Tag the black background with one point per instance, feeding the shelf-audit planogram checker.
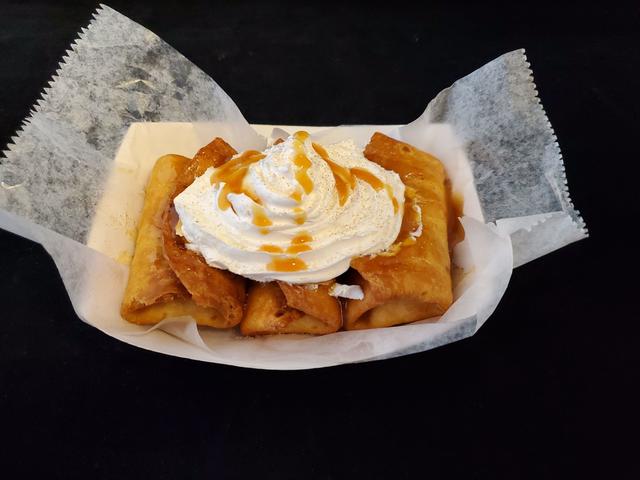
(543, 390)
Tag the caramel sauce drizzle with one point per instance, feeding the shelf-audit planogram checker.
(270, 248)
(303, 163)
(298, 248)
(286, 264)
(455, 203)
(299, 243)
(345, 181)
(249, 193)
(232, 174)
(411, 221)
(376, 184)
(302, 237)
(393, 199)
(368, 177)
(300, 217)
(260, 218)
(297, 196)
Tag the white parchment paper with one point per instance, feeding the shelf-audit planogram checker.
(73, 180)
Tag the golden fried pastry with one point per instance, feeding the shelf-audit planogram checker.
(314, 300)
(214, 154)
(154, 291)
(286, 308)
(208, 286)
(412, 281)
(409, 281)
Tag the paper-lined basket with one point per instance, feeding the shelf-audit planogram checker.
(122, 97)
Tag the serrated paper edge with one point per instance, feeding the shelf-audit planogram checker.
(44, 93)
(580, 223)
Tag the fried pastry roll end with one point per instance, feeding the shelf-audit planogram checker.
(275, 307)
(154, 291)
(412, 281)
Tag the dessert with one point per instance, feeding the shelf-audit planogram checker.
(166, 279)
(154, 291)
(315, 233)
(278, 307)
(412, 280)
(298, 213)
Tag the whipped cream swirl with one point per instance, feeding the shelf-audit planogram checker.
(297, 212)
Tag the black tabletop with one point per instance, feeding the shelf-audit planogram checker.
(541, 391)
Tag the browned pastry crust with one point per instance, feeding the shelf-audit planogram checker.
(153, 290)
(315, 301)
(414, 282)
(209, 287)
(268, 310)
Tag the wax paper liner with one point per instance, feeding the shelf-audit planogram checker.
(57, 170)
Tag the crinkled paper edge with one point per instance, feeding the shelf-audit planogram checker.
(573, 212)
(42, 97)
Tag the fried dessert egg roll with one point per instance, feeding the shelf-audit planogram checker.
(279, 307)
(412, 279)
(165, 279)
(208, 286)
(153, 291)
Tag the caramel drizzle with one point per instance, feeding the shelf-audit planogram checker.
(412, 219)
(260, 218)
(232, 174)
(300, 217)
(302, 237)
(301, 161)
(394, 200)
(368, 177)
(297, 196)
(270, 248)
(345, 179)
(376, 184)
(286, 264)
(299, 244)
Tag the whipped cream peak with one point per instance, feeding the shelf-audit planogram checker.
(297, 212)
